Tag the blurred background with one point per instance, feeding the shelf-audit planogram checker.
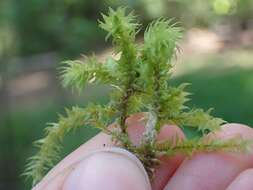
(216, 57)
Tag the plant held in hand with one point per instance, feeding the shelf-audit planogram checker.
(139, 82)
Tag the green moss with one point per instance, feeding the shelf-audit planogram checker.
(139, 81)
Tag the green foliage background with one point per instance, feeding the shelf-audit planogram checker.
(69, 27)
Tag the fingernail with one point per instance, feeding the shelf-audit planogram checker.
(108, 168)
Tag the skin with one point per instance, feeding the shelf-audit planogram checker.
(112, 169)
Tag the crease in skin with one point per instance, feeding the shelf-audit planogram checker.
(199, 184)
(113, 150)
(242, 181)
(198, 177)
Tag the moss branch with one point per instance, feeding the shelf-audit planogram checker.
(191, 146)
(51, 145)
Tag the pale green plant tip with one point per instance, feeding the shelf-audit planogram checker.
(77, 74)
(118, 24)
(202, 120)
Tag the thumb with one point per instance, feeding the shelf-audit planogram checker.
(108, 168)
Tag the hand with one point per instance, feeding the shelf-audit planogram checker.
(98, 165)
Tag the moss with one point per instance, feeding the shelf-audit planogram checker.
(140, 80)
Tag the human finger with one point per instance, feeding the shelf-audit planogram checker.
(213, 171)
